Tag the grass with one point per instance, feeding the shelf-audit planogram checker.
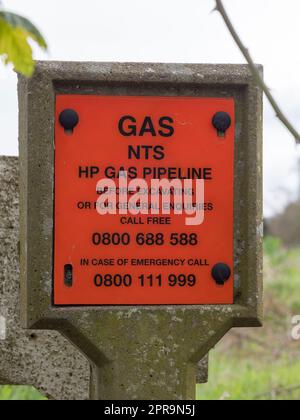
(282, 274)
(17, 393)
(262, 364)
(249, 364)
(233, 378)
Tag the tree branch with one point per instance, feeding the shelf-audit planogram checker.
(255, 72)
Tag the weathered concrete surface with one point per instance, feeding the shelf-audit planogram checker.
(38, 358)
(42, 359)
(124, 342)
(202, 370)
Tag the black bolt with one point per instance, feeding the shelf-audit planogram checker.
(221, 121)
(69, 119)
(221, 273)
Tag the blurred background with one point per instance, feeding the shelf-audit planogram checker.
(262, 364)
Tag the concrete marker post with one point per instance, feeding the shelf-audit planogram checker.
(138, 352)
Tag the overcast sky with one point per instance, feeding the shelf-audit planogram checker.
(176, 31)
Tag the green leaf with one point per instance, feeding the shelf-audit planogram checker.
(20, 22)
(15, 49)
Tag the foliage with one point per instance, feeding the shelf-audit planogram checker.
(235, 379)
(287, 225)
(282, 275)
(15, 35)
(17, 393)
(262, 364)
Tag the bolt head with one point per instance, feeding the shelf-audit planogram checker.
(222, 122)
(68, 119)
(221, 273)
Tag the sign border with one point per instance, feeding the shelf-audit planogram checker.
(209, 292)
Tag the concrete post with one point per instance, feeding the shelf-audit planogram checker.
(138, 352)
(43, 359)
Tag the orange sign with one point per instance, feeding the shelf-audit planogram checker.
(144, 200)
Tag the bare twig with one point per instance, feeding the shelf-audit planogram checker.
(251, 338)
(278, 391)
(255, 72)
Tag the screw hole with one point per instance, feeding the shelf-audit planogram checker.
(68, 275)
